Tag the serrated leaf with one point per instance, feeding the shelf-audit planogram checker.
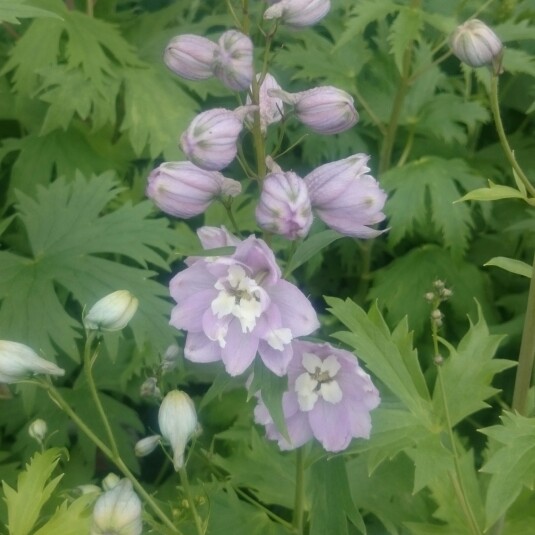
(513, 266)
(310, 247)
(70, 518)
(468, 371)
(404, 30)
(422, 194)
(33, 491)
(68, 236)
(400, 287)
(331, 501)
(13, 10)
(512, 463)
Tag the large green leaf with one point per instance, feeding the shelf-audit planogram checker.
(13, 10)
(76, 247)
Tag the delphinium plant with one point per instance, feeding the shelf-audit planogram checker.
(298, 359)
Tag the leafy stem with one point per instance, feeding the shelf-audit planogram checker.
(189, 496)
(299, 499)
(527, 354)
(495, 107)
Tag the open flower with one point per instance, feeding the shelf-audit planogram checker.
(346, 198)
(18, 362)
(329, 397)
(233, 306)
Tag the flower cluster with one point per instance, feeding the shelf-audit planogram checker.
(238, 306)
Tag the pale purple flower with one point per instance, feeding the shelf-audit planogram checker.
(190, 56)
(298, 13)
(346, 198)
(270, 108)
(235, 306)
(184, 190)
(329, 397)
(233, 60)
(284, 205)
(210, 141)
(325, 110)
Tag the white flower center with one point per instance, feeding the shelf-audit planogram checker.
(240, 296)
(318, 381)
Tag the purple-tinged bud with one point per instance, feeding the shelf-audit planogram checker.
(298, 13)
(271, 108)
(233, 60)
(325, 110)
(184, 190)
(346, 198)
(284, 206)
(190, 56)
(475, 44)
(211, 139)
(18, 362)
(214, 237)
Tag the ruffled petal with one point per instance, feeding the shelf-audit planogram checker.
(188, 313)
(199, 348)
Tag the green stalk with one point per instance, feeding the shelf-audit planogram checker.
(495, 107)
(189, 496)
(58, 399)
(299, 499)
(526, 357)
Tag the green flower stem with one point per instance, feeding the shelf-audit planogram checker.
(189, 496)
(89, 359)
(526, 357)
(299, 500)
(58, 399)
(232, 219)
(456, 478)
(495, 107)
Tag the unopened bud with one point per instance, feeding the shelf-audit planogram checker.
(233, 60)
(270, 108)
(429, 296)
(18, 362)
(446, 293)
(147, 445)
(177, 419)
(38, 430)
(284, 206)
(149, 388)
(184, 190)
(438, 360)
(170, 358)
(110, 481)
(475, 44)
(190, 56)
(117, 511)
(438, 284)
(112, 312)
(298, 13)
(436, 314)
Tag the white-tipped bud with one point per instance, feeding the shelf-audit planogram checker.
(18, 362)
(112, 312)
(38, 430)
(146, 445)
(178, 420)
(475, 44)
(110, 481)
(117, 512)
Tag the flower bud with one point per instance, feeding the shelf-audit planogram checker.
(284, 206)
(112, 312)
(233, 60)
(38, 430)
(214, 237)
(190, 56)
(298, 13)
(210, 141)
(117, 511)
(184, 190)
(170, 358)
(325, 110)
(17, 362)
(88, 489)
(146, 445)
(345, 197)
(475, 44)
(177, 420)
(270, 108)
(149, 388)
(110, 481)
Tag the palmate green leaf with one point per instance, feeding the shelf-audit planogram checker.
(405, 29)
(33, 491)
(400, 286)
(156, 110)
(468, 371)
(13, 10)
(68, 236)
(422, 194)
(70, 518)
(331, 503)
(512, 463)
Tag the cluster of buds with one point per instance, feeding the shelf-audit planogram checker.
(439, 294)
